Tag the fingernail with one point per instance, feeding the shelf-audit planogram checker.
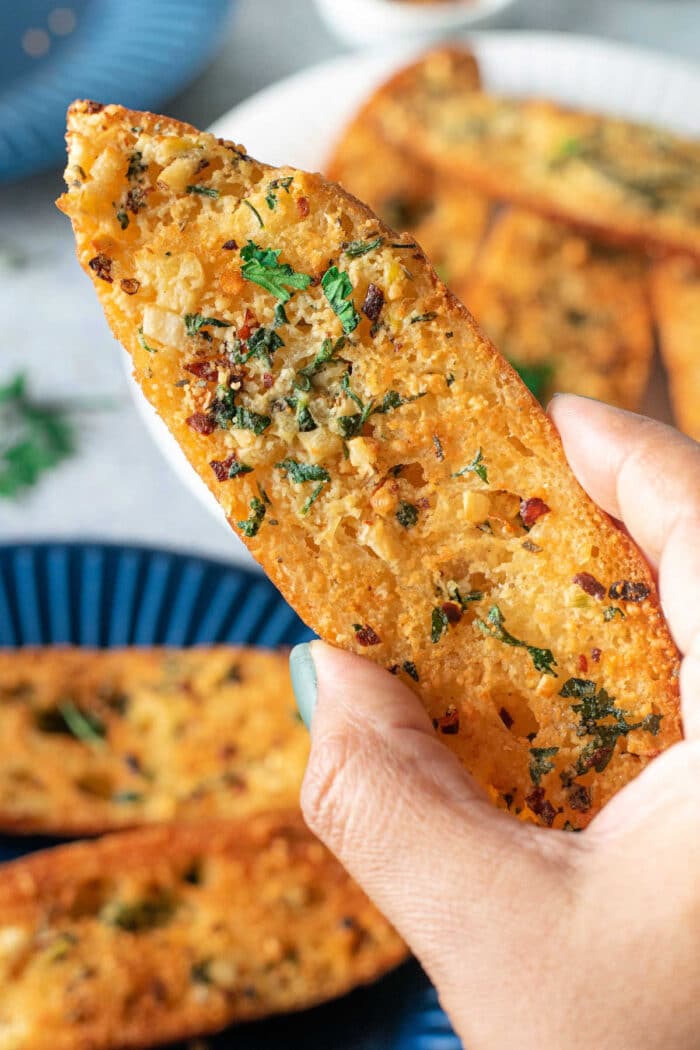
(304, 683)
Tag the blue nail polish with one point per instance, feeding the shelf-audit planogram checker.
(304, 683)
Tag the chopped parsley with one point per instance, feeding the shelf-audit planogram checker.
(407, 514)
(430, 316)
(338, 289)
(439, 624)
(204, 191)
(280, 316)
(543, 659)
(392, 400)
(144, 344)
(277, 184)
(34, 438)
(411, 670)
(350, 426)
(136, 166)
(122, 218)
(261, 266)
(262, 343)
(540, 762)
(68, 719)
(236, 469)
(595, 710)
(300, 472)
(246, 419)
(251, 525)
(255, 212)
(611, 612)
(305, 421)
(463, 600)
(477, 466)
(354, 249)
(195, 322)
(328, 350)
(136, 916)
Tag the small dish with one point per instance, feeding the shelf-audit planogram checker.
(378, 22)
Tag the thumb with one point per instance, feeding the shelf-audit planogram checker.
(411, 825)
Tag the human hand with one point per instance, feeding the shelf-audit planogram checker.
(534, 938)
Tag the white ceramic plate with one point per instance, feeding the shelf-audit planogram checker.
(370, 22)
(297, 120)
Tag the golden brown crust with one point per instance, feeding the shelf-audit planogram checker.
(448, 222)
(145, 937)
(572, 314)
(428, 462)
(626, 183)
(93, 741)
(676, 297)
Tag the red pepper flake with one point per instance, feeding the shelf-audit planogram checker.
(452, 611)
(629, 591)
(102, 266)
(590, 585)
(448, 724)
(203, 370)
(366, 635)
(250, 323)
(531, 510)
(541, 806)
(580, 798)
(596, 655)
(374, 302)
(222, 467)
(303, 206)
(582, 662)
(202, 423)
(230, 246)
(505, 717)
(268, 380)
(94, 107)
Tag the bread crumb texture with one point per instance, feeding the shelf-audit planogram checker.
(144, 937)
(676, 297)
(379, 458)
(94, 741)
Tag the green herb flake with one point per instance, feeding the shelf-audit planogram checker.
(229, 415)
(262, 267)
(355, 249)
(418, 318)
(144, 344)
(540, 762)
(138, 916)
(338, 289)
(407, 514)
(601, 719)
(122, 218)
(237, 468)
(327, 352)
(280, 316)
(204, 191)
(195, 322)
(255, 212)
(477, 466)
(136, 166)
(34, 438)
(410, 668)
(439, 625)
(611, 612)
(251, 526)
(274, 186)
(543, 659)
(262, 343)
(463, 600)
(301, 472)
(127, 797)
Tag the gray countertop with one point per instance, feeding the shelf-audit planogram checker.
(118, 487)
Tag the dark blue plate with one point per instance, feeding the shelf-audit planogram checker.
(108, 596)
(137, 52)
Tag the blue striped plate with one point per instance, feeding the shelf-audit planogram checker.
(107, 596)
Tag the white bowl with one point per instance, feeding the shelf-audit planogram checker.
(378, 22)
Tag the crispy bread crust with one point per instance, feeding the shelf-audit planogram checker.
(164, 933)
(624, 183)
(424, 487)
(193, 734)
(675, 288)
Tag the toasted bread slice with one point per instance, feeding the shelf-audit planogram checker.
(448, 221)
(100, 740)
(383, 462)
(676, 297)
(629, 183)
(163, 933)
(570, 314)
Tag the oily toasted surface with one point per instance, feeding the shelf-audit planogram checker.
(676, 297)
(570, 314)
(629, 183)
(148, 936)
(407, 194)
(92, 741)
(437, 529)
